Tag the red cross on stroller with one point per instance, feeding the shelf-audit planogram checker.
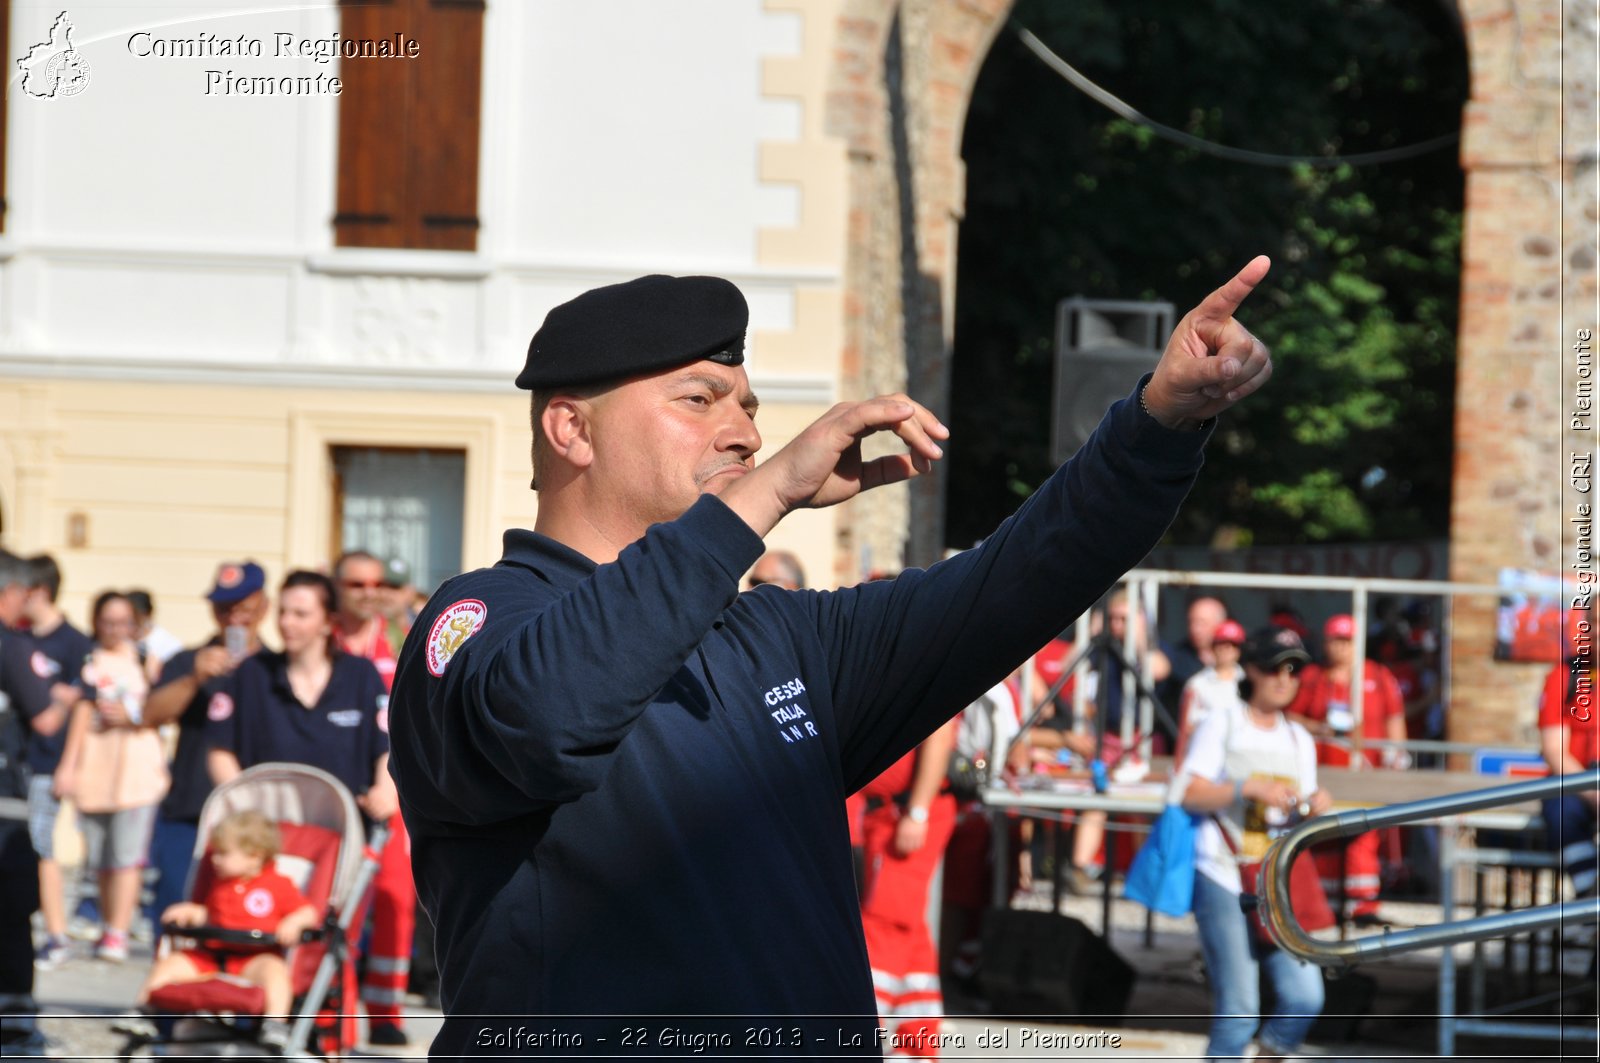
(324, 855)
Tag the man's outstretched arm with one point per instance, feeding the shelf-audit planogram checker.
(1210, 363)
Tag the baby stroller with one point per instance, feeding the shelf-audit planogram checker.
(323, 853)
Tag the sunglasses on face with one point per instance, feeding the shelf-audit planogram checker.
(1288, 668)
(358, 585)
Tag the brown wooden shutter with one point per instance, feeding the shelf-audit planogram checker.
(447, 112)
(409, 128)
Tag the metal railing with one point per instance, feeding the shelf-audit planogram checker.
(1279, 918)
(1144, 584)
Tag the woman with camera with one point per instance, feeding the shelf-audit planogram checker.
(1251, 773)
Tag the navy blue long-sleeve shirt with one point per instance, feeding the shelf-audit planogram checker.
(625, 785)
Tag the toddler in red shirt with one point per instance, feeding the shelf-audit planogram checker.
(247, 893)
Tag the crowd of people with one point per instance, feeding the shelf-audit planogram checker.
(134, 731)
(1251, 720)
(138, 730)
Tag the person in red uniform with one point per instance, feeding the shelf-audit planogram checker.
(1569, 738)
(984, 728)
(909, 818)
(363, 631)
(248, 893)
(1323, 706)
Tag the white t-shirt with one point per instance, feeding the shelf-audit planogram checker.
(1205, 692)
(1228, 747)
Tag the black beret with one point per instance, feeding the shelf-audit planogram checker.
(640, 326)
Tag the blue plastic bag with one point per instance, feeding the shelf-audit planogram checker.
(1161, 876)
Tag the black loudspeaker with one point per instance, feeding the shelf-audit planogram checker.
(1040, 963)
(1103, 347)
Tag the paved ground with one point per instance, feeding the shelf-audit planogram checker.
(78, 1000)
(1166, 1016)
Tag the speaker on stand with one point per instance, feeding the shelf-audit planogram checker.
(1103, 347)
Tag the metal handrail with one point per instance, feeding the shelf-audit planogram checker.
(1278, 916)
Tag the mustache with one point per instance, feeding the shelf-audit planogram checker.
(704, 476)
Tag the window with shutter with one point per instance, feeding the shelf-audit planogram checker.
(409, 128)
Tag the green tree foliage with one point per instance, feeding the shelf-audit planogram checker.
(1352, 440)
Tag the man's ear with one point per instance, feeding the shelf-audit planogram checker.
(567, 430)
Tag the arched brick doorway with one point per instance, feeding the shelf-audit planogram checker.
(899, 88)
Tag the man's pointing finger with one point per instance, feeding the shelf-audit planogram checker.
(1222, 303)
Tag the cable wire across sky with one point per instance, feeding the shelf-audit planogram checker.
(1178, 136)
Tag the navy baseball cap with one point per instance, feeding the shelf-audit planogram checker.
(235, 581)
(640, 326)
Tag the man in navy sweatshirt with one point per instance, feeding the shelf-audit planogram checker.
(625, 780)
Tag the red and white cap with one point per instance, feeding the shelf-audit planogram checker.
(1229, 631)
(1340, 626)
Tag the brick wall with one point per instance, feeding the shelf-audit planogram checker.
(903, 77)
(1527, 281)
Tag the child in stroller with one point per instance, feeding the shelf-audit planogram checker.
(247, 893)
(196, 1006)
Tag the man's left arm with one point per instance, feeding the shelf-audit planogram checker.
(909, 653)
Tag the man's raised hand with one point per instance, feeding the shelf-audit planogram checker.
(1211, 361)
(822, 466)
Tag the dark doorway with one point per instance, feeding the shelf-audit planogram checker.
(1353, 439)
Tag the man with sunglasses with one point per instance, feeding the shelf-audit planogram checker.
(362, 630)
(359, 621)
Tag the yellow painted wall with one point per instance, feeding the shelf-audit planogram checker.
(173, 478)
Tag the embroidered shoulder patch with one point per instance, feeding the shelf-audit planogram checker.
(454, 626)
